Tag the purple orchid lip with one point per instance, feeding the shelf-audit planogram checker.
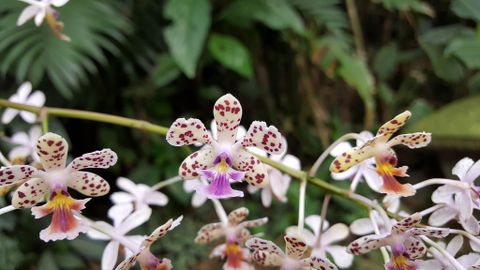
(219, 187)
(223, 156)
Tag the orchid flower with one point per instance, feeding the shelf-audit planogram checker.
(23, 96)
(403, 240)
(463, 197)
(439, 262)
(235, 233)
(365, 170)
(147, 260)
(25, 145)
(190, 186)
(122, 224)
(380, 147)
(225, 159)
(451, 209)
(321, 243)
(137, 195)
(42, 9)
(278, 182)
(52, 183)
(267, 253)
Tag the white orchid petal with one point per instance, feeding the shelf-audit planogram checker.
(291, 161)
(121, 197)
(28, 117)
(335, 233)
(58, 3)
(40, 16)
(136, 219)
(442, 215)
(472, 173)
(341, 257)
(461, 168)
(266, 196)
(127, 185)
(362, 226)
(36, 99)
(340, 149)
(198, 199)
(156, 198)
(110, 255)
(455, 245)
(469, 260)
(27, 14)
(8, 115)
(119, 212)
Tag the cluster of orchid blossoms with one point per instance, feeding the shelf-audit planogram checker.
(37, 177)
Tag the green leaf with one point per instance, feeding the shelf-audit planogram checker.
(186, 36)
(445, 67)
(47, 262)
(386, 61)
(356, 73)
(467, 9)
(444, 34)
(467, 50)
(231, 53)
(276, 14)
(474, 84)
(455, 124)
(165, 71)
(407, 5)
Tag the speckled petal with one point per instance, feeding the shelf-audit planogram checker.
(407, 223)
(15, 173)
(88, 184)
(227, 112)
(30, 193)
(52, 150)
(412, 140)
(354, 156)
(393, 125)
(265, 252)
(295, 246)
(186, 132)
(99, 159)
(210, 232)
(200, 160)
(266, 138)
(320, 263)
(415, 248)
(255, 170)
(161, 231)
(237, 215)
(367, 243)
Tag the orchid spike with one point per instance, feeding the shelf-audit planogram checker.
(225, 159)
(52, 183)
(380, 148)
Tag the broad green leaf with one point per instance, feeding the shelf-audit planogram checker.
(356, 73)
(276, 14)
(186, 35)
(231, 53)
(165, 71)
(467, 9)
(386, 61)
(444, 34)
(407, 5)
(467, 50)
(455, 124)
(445, 67)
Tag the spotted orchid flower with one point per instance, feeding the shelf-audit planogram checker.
(464, 193)
(136, 195)
(266, 253)
(42, 10)
(380, 148)
(323, 243)
(25, 145)
(439, 262)
(147, 260)
(403, 240)
(52, 183)
(236, 233)
(225, 159)
(451, 208)
(23, 96)
(122, 224)
(278, 182)
(365, 170)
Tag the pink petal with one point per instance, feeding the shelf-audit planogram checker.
(295, 246)
(52, 150)
(30, 193)
(266, 138)
(15, 173)
(200, 160)
(237, 215)
(227, 112)
(186, 132)
(88, 184)
(102, 159)
(255, 171)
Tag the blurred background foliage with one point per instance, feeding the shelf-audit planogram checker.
(314, 68)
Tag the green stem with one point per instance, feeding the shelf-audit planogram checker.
(86, 115)
(44, 116)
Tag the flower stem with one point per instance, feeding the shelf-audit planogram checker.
(431, 209)
(301, 205)
(44, 116)
(323, 217)
(86, 115)
(4, 160)
(6, 209)
(438, 181)
(445, 253)
(467, 235)
(383, 250)
(167, 182)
